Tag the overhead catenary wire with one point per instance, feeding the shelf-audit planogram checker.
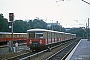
(86, 2)
(63, 10)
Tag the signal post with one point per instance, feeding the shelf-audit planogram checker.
(11, 18)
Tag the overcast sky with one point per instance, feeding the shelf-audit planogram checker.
(69, 13)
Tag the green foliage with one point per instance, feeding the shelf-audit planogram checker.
(20, 26)
(78, 31)
(56, 27)
(63, 29)
(39, 24)
(23, 26)
(3, 23)
(30, 22)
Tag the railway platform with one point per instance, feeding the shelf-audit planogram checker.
(81, 51)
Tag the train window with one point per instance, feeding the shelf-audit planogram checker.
(10, 35)
(49, 35)
(22, 36)
(53, 35)
(15, 36)
(4, 35)
(39, 34)
(18, 35)
(0, 35)
(7, 35)
(31, 34)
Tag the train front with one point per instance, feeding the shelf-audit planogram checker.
(35, 39)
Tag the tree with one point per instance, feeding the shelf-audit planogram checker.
(63, 29)
(78, 31)
(39, 24)
(20, 26)
(30, 22)
(3, 24)
(56, 27)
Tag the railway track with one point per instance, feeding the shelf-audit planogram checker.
(2, 46)
(44, 55)
(14, 56)
(63, 53)
(50, 55)
(5, 53)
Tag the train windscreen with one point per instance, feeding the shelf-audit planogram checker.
(31, 34)
(39, 34)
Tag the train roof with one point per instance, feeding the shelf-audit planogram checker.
(67, 33)
(44, 30)
(38, 30)
(33, 30)
(19, 33)
(4, 32)
(10, 33)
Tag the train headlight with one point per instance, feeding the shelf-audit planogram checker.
(40, 41)
(30, 41)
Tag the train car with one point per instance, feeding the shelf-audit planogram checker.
(6, 36)
(38, 39)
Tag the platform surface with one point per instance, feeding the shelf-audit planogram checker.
(81, 51)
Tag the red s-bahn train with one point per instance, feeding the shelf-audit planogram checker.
(7, 36)
(38, 39)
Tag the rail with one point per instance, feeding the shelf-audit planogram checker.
(33, 55)
(65, 53)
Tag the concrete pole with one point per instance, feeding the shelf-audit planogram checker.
(88, 28)
(86, 31)
(52, 24)
(88, 22)
(12, 36)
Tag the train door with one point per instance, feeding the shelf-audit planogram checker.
(49, 38)
(53, 37)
